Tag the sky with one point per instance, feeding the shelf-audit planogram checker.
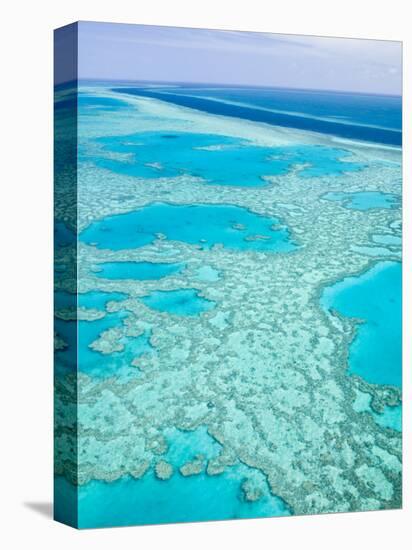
(111, 51)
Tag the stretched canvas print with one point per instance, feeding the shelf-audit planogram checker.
(227, 275)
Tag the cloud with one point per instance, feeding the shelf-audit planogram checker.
(204, 55)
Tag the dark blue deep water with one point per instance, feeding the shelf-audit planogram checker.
(356, 116)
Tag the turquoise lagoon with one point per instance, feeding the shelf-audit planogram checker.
(218, 160)
(78, 335)
(389, 240)
(181, 302)
(148, 500)
(129, 501)
(141, 271)
(390, 417)
(78, 350)
(98, 299)
(201, 224)
(375, 299)
(364, 200)
(95, 299)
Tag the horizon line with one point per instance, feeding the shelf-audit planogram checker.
(233, 85)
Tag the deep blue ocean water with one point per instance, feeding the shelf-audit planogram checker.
(376, 298)
(366, 117)
(63, 235)
(342, 107)
(64, 299)
(204, 225)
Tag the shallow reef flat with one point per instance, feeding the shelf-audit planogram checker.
(265, 371)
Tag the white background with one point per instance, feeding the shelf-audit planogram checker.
(26, 272)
